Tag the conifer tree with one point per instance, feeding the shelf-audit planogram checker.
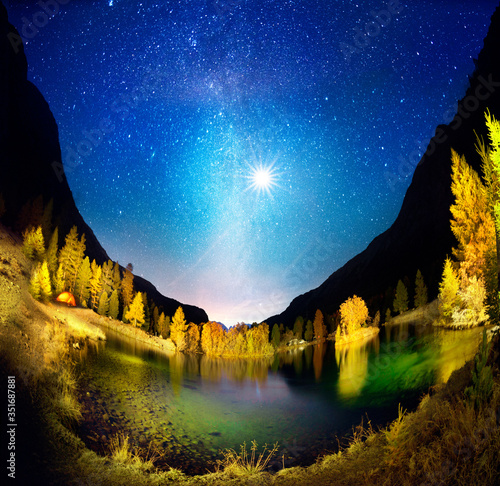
(114, 305)
(51, 253)
(117, 280)
(45, 284)
(156, 317)
(34, 287)
(95, 285)
(34, 244)
(192, 338)
(319, 326)
(71, 256)
(127, 287)
(308, 335)
(103, 308)
(82, 288)
(472, 223)
(298, 327)
(107, 277)
(420, 291)
(147, 315)
(449, 300)
(59, 280)
(178, 329)
(275, 335)
(124, 315)
(401, 298)
(135, 314)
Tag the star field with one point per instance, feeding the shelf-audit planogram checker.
(238, 152)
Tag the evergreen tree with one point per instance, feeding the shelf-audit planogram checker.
(82, 288)
(147, 314)
(178, 329)
(449, 300)
(136, 312)
(275, 336)
(103, 308)
(156, 317)
(308, 335)
(420, 291)
(95, 285)
(114, 305)
(107, 277)
(117, 280)
(45, 284)
(401, 298)
(34, 287)
(472, 223)
(127, 287)
(51, 253)
(34, 244)
(319, 326)
(71, 256)
(298, 327)
(59, 280)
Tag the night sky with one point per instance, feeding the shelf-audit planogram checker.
(237, 152)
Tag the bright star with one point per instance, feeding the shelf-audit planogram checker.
(262, 178)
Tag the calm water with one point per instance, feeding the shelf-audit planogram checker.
(194, 406)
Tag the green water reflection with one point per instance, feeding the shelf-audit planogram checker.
(192, 406)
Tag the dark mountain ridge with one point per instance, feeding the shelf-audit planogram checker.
(31, 163)
(420, 237)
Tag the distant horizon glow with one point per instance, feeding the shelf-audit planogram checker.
(239, 152)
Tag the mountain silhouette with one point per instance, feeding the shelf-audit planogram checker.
(31, 163)
(420, 237)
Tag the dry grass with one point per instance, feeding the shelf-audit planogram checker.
(246, 463)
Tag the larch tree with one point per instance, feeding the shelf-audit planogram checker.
(127, 287)
(107, 277)
(178, 329)
(34, 244)
(114, 305)
(82, 288)
(298, 327)
(421, 294)
(117, 279)
(401, 299)
(103, 308)
(59, 280)
(192, 338)
(45, 284)
(34, 287)
(135, 314)
(448, 298)
(319, 326)
(71, 256)
(275, 335)
(51, 253)
(308, 335)
(95, 285)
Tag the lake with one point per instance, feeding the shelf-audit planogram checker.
(193, 406)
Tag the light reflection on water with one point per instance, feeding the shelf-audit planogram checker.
(193, 406)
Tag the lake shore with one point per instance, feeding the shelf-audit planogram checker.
(359, 335)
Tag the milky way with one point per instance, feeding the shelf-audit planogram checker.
(238, 152)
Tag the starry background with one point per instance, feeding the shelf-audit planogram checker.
(167, 110)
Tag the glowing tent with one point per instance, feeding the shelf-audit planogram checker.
(67, 297)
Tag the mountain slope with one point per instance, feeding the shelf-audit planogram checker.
(30, 159)
(420, 237)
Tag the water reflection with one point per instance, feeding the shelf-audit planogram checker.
(352, 361)
(194, 405)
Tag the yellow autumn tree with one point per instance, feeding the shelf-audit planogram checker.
(135, 313)
(353, 314)
(178, 329)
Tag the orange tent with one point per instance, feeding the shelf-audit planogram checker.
(67, 297)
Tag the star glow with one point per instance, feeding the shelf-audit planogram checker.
(262, 179)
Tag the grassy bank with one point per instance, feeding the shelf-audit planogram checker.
(447, 440)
